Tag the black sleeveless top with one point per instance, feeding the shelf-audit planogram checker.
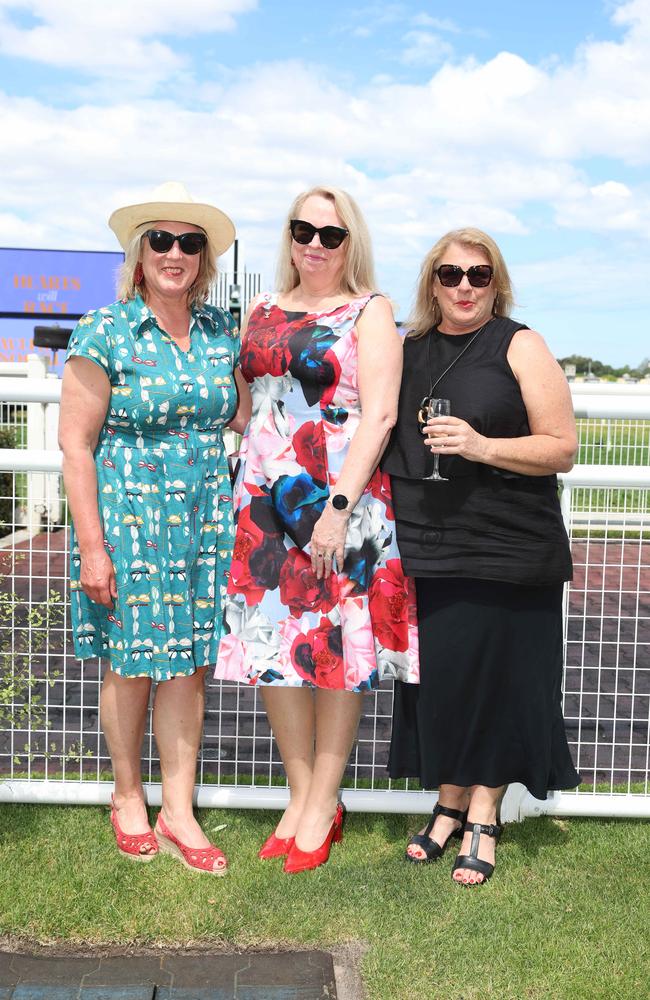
(486, 523)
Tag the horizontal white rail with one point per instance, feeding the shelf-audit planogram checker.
(30, 390)
(596, 476)
(209, 796)
(586, 804)
(608, 518)
(517, 805)
(21, 460)
(600, 476)
(595, 401)
(614, 407)
(609, 389)
(13, 369)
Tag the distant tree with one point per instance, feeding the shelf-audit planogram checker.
(586, 365)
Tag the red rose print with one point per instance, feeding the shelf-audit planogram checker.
(380, 489)
(249, 539)
(318, 655)
(300, 589)
(266, 352)
(389, 606)
(309, 446)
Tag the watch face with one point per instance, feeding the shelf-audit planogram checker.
(339, 501)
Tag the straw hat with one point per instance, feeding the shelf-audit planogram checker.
(172, 201)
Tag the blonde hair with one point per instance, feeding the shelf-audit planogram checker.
(359, 271)
(426, 312)
(198, 292)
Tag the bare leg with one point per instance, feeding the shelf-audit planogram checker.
(178, 724)
(454, 797)
(291, 716)
(337, 721)
(483, 805)
(123, 706)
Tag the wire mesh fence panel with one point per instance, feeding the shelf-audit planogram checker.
(607, 668)
(13, 424)
(50, 722)
(613, 442)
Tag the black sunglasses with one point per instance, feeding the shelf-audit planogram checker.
(330, 237)
(479, 276)
(161, 241)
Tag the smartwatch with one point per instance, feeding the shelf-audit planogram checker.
(339, 501)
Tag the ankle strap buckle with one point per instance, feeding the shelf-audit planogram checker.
(488, 829)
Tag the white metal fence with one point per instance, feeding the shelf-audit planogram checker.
(51, 747)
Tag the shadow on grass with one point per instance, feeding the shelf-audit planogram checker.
(536, 835)
(391, 827)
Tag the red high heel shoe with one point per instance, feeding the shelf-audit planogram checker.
(275, 847)
(135, 846)
(302, 861)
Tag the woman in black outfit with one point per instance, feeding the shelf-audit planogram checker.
(488, 549)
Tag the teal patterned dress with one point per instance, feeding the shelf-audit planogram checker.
(164, 492)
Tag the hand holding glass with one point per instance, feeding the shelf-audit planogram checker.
(437, 408)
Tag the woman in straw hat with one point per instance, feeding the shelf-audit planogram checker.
(149, 383)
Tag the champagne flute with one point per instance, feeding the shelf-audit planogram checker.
(437, 408)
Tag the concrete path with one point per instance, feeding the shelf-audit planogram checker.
(306, 975)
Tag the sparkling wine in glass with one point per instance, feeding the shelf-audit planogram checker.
(437, 408)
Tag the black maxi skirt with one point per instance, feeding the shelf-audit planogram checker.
(487, 710)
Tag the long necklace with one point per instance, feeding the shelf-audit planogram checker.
(467, 346)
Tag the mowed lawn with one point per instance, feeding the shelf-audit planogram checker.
(567, 914)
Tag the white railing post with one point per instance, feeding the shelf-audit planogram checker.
(53, 494)
(36, 369)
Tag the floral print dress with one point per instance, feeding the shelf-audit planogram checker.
(164, 492)
(283, 626)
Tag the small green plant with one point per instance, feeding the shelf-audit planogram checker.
(7, 440)
(21, 688)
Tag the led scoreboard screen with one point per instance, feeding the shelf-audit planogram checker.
(55, 282)
(47, 287)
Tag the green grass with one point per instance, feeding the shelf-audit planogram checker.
(565, 916)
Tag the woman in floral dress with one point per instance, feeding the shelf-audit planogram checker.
(149, 383)
(318, 609)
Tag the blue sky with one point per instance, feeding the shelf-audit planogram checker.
(530, 121)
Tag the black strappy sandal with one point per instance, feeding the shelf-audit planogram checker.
(472, 860)
(432, 848)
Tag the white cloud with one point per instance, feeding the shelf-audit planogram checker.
(607, 207)
(501, 144)
(121, 18)
(424, 48)
(437, 23)
(32, 233)
(112, 37)
(378, 15)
